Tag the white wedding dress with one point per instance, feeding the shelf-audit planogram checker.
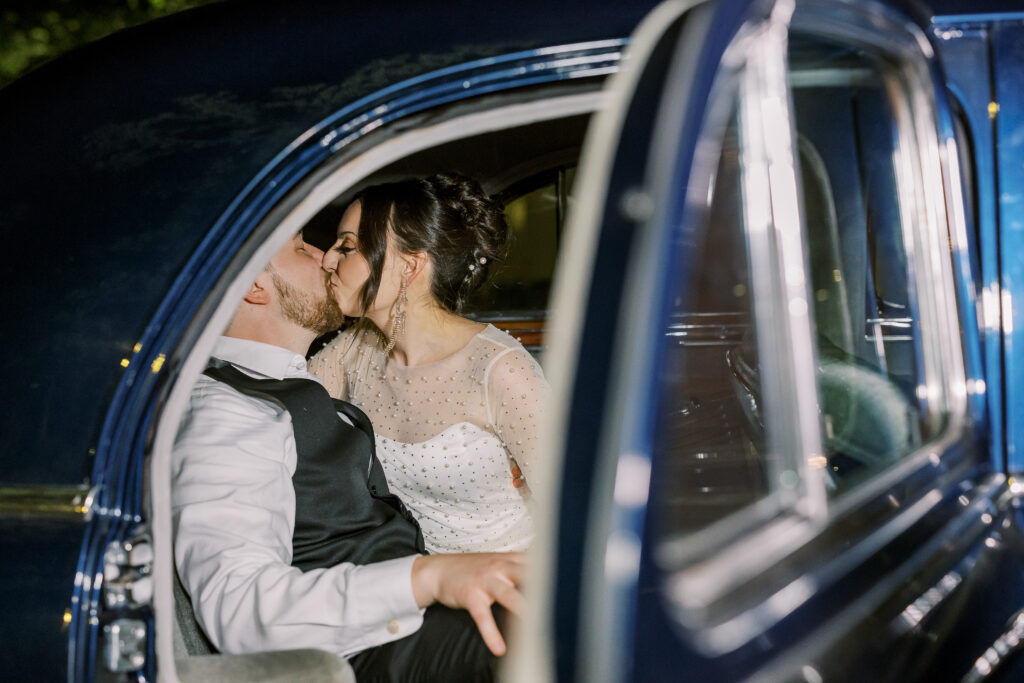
(447, 432)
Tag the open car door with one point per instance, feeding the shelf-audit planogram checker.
(769, 402)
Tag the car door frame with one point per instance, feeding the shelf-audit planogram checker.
(606, 465)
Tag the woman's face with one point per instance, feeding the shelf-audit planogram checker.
(350, 271)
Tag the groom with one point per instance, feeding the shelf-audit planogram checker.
(286, 535)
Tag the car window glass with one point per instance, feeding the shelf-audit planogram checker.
(867, 329)
(535, 210)
(709, 435)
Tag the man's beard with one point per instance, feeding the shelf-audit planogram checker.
(320, 316)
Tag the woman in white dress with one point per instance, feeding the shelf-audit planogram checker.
(455, 404)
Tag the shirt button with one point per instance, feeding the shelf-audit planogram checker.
(392, 627)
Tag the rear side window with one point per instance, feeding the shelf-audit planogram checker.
(535, 210)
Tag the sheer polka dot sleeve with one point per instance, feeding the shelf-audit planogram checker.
(517, 395)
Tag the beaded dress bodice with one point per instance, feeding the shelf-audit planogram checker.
(447, 431)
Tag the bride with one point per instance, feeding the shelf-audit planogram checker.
(455, 404)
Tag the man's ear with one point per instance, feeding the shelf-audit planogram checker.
(414, 264)
(259, 294)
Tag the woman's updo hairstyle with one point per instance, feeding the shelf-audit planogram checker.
(447, 216)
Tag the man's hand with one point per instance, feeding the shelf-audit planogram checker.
(518, 480)
(472, 582)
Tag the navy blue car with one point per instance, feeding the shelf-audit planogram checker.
(766, 250)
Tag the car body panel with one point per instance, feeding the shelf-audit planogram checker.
(1009, 125)
(169, 161)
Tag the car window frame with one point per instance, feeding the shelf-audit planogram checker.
(718, 566)
(343, 171)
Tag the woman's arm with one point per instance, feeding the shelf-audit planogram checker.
(517, 396)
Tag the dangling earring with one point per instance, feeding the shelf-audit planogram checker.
(398, 323)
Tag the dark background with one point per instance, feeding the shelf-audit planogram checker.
(35, 31)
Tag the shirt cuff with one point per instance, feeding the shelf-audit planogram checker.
(392, 612)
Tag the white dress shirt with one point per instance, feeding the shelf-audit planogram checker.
(234, 515)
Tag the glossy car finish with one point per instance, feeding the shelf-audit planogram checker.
(1007, 47)
(985, 40)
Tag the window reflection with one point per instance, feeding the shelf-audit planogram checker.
(709, 437)
(867, 328)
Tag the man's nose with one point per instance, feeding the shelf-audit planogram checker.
(330, 259)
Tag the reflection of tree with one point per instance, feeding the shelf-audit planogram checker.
(34, 31)
(203, 120)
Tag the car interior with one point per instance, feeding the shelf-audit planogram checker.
(530, 169)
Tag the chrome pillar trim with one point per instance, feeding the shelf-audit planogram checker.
(926, 238)
(47, 502)
(1000, 652)
(779, 267)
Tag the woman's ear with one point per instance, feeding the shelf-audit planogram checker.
(414, 264)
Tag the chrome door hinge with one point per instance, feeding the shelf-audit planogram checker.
(127, 586)
(127, 573)
(124, 648)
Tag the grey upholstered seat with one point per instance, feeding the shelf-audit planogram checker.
(196, 659)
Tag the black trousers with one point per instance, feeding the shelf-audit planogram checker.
(447, 647)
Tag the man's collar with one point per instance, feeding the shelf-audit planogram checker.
(265, 359)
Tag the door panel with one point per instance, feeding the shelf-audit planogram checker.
(759, 363)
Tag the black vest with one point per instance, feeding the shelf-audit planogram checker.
(343, 509)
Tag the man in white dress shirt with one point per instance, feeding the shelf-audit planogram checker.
(235, 515)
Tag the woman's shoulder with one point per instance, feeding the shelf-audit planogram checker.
(505, 352)
(500, 340)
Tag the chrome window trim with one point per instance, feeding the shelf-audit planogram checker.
(778, 265)
(612, 545)
(47, 502)
(774, 227)
(346, 174)
(880, 31)
(717, 569)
